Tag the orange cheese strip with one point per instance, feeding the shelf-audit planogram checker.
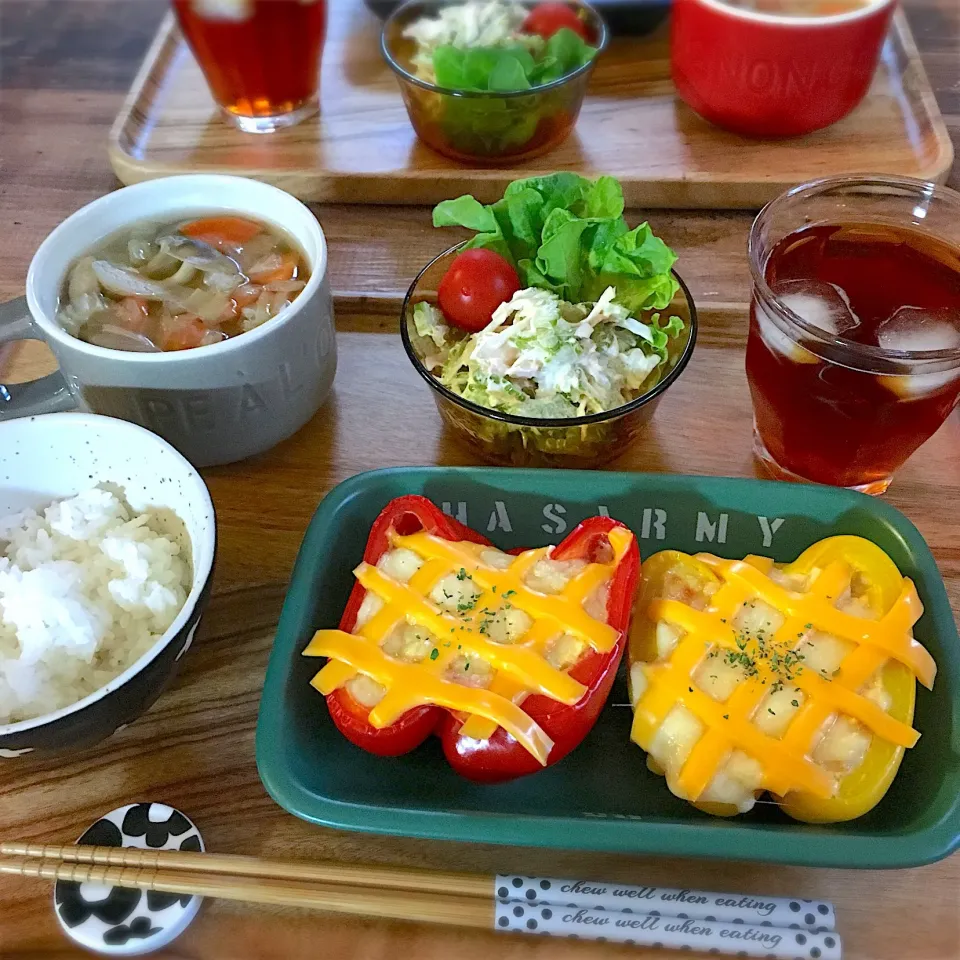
(871, 715)
(409, 686)
(890, 634)
(520, 667)
(516, 659)
(669, 684)
(856, 669)
(482, 728)
(479, 728)
(836, 695)
(785, 761)
(566, 612)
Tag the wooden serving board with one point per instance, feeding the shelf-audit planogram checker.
(362, 149)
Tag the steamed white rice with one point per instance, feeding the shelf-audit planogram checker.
(86, 588)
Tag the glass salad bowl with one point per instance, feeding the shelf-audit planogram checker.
(508, 439)
(488, 128)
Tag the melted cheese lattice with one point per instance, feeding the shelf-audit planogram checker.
(727, 725)
(521, 667)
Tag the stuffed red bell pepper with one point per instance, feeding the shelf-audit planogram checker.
(507, 657)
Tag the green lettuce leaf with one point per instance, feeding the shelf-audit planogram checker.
(465, 212)
(565, 52)
(567, 234)
(470, 213)
(662, 334)
(559, 255)
(513, 66)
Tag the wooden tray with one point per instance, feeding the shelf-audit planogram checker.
(362, 149)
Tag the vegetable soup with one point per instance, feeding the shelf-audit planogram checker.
(155, 287)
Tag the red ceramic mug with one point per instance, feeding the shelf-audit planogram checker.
(767, 75)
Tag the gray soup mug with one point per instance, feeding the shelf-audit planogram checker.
(215, 404)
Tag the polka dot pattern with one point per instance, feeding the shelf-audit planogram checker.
(591, 910)
(578, 922)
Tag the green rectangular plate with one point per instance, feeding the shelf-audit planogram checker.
(601, 797)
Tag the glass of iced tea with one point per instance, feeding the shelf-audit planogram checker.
(261, 58)
(853, 354)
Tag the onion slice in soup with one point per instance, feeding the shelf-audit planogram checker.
(125, 282)
(141, 250)
(185, 273)
(83, 280)
(160, 266)
(116, 338)
(198, 254)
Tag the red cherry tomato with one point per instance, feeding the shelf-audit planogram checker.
(477, 282)
(547, 18)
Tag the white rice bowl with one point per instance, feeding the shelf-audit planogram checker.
(87, 586)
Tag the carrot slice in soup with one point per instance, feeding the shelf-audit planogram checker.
(184, 333)
(273, 273)
(132, 313)
(214, 230)
(247, 294)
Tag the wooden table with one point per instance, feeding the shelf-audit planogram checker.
(65, 66)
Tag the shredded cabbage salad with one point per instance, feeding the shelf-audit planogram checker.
(586, 335)
(480, 45)
(541, 356)
(477, 23)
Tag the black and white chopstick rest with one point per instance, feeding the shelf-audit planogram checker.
(121, 922)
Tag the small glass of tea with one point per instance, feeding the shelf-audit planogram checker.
(261, 58)
(853, 354)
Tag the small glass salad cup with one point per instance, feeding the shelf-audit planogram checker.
(508, 439)
(486, 127)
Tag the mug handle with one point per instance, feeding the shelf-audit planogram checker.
(48, 394)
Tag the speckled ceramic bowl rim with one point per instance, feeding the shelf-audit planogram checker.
(205, 549)
(546, 422)
(401, 71)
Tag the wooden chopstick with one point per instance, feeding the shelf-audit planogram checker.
(512, 904)
(385, 878)
(487, 889)
(419, 907)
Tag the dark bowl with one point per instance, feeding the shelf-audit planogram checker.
(509, 440)
(50, 457)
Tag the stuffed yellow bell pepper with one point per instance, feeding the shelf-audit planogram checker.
(798, 679)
